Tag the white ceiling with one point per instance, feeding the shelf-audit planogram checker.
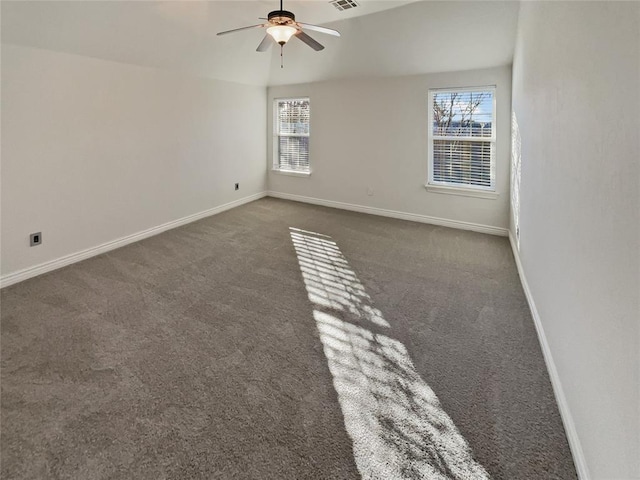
(379, 38)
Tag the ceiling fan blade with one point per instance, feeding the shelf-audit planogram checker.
(318, 28)
(262, 25)
(265, 43)
(309, 41)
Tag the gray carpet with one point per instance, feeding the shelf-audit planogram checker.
(235, 347)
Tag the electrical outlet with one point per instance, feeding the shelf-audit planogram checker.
(370, 191)
(237, 186)
(35, 239)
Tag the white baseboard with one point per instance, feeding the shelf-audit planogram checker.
(36, 270)
(563, 406)
(413, 217)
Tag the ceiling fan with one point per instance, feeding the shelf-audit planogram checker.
(281, 26)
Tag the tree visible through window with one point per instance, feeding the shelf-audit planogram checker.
(291, 135)
(462, 138)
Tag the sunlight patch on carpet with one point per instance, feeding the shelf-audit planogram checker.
(395, 421)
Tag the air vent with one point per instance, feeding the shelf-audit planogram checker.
(344, 4)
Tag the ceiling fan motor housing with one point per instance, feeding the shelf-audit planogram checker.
(281, 17)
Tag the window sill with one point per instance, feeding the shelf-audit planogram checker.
(465, 192)
(291, 173)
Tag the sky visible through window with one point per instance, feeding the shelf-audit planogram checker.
(463, 113)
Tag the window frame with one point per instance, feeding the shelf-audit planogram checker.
(452, 187)
(275, 164)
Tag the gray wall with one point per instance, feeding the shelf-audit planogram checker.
(372, 133)
(575, 97)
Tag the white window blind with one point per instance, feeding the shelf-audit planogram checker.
(462, 138)
(291, 142)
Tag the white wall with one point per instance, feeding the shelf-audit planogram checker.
(94, 150)
(575, 96)
(373, 133)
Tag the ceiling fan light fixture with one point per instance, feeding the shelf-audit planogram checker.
(281, 33)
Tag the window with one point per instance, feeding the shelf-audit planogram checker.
(291, 135)
(462, 139)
